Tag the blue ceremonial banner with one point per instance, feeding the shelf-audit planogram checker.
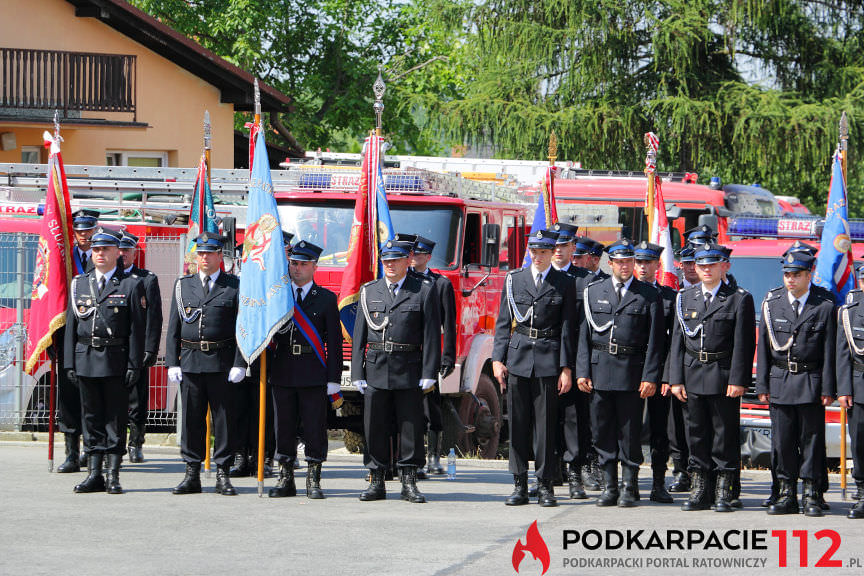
(384, 231)
(834, 264)
(546, 214)
(266, 302)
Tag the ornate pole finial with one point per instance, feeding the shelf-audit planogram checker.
(57, 126)
(379, 88)
(257, 99)
(207, 134)
(844, 131)
(553, 148)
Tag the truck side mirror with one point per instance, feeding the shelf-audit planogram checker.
(709, 220)
(491, 245)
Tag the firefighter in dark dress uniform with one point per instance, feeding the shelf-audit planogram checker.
(657, 406)
(795, 374)
(300, 381)
(620, 362)
(396, 352)
(532, 357)
(68, 394)
(711, 362)
(420, 257)
(104, 348)
(574, 425)
(850, 382)
(138, 396)
(202, 356)
(678, 445)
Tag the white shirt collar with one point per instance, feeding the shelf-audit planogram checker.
(802, 299)
(398, 284)
(535, 271)
(304, 290)
(626, 284)
(108, 275)
(563, 268)
(129, 269)
(712, 292)
(213, 276)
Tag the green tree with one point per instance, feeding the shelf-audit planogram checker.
(750, 90)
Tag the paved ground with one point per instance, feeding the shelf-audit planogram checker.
(465, 529)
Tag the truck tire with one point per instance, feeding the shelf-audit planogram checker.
(483, 411)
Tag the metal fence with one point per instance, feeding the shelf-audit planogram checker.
(24, 399)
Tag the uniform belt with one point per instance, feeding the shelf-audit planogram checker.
(708, 357)
(393, 347)
(206, 345)
(299, 349)
(616, 349)
(97, 342)
(535, 333)
(795, 367)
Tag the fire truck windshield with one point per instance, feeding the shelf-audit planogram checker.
(757, 275)
(328, 224)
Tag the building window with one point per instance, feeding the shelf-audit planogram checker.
(31, 154)
(137, 158)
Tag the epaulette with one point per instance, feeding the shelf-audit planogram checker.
(775, 293)
(79, 276)
(187, 275)
(692, 287)
(595, 281)
(369, 283)
(850, 297)
(742, 291)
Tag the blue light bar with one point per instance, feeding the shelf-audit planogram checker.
(403, 183)
(315, 180)
(776, 227)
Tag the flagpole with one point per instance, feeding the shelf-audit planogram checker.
(844, 143)
(262, 375)
(379, 88)
(52, 383)
(650, 171)
(207, 143)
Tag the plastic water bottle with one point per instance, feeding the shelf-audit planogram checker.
(451, 465)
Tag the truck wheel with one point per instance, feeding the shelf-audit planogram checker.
(483, 410)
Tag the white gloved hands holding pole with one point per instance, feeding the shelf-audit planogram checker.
(175, 374)
(236, 375)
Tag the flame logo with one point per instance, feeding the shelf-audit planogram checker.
(534, 544)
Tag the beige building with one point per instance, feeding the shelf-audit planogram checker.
(130, 90)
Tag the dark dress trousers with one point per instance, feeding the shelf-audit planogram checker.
(658, 406)
(534, 351)
(298, 380)
(139, 394)
(393, 360)
(204, 347)
(850, 372)
(104, 338)
(796, 379)
(447, 300)
(705, 364)
(617, 359)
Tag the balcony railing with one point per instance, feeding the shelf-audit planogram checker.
(53, 79)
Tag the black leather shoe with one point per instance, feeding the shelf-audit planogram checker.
(113, 483)
(409, 486)
(723, 492)
(680, 482)
(285, 486)
(659, 492)
(519, 497)
(574, 479)
(191, 483)
(313, 481)
(94, 482)
(630, 493)
(857, 511)
(375, 490)
(610, 494)
(546, 494)
(240, 468)
(811, 505)
(533, 488)
(787, 499)
(588, 479)
(223, 481)
(71, 463)
(700, 497)
(433, 464)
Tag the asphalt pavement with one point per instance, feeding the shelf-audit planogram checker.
(463, 529)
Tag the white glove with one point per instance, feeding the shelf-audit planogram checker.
(427, 383)
(333, 388)
(236, 375)
(175, 374)
(360, 385)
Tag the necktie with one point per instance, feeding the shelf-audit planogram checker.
(795, 305)
(206, 285)
(101, 284)
(84, 260)
(393, 288)
(539, 280)
(707, 300)
(620, 291)
(299, 299)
